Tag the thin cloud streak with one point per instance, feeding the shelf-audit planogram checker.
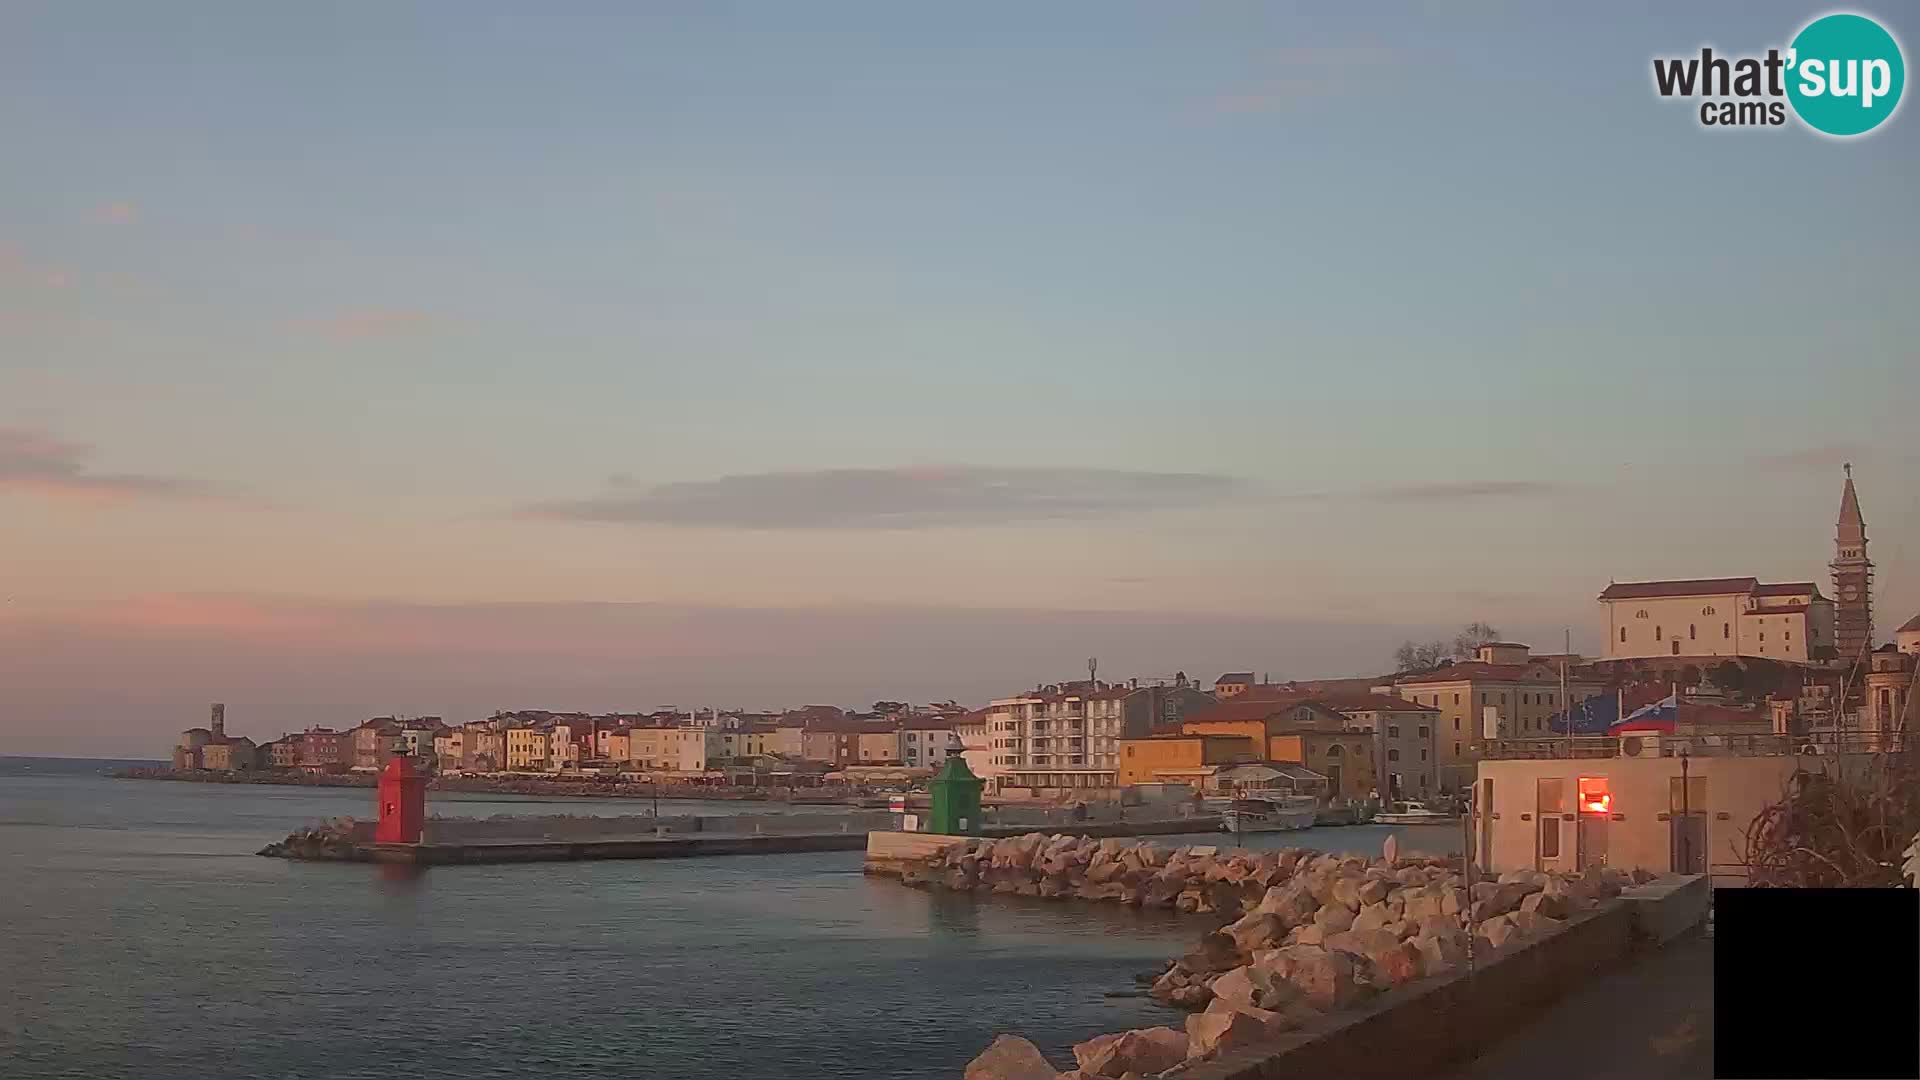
(37, 463)
(1439, 491)
(893, 498)
(366, 323)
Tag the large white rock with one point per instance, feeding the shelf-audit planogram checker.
(1010, 1057)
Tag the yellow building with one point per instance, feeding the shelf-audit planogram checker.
(619, 746)
(1181, 758)
(1478, 699)
(527, 749)
(651, 748)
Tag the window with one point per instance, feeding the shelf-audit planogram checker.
(1549, 836)
(1641, 614)
(1623, 635)
(1456, 725)
(1129, 751)
(1393, 731)
(1456, 699)
(1763, 635)
(1456, 749)
(1595, 798)
(1789, 635)
(1393, 755)
(1333, 750)
(1726, 630)
(1676, 646)
(1503, 699)
(1693, 801)
(1690, 634)
(1484, 698)
(1423, 755)
(1656, 631)
(1425, 731)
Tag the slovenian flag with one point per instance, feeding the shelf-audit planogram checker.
(1659, 716)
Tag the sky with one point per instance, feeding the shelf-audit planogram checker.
(445, 357)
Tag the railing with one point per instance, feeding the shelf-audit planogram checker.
(1695, 745)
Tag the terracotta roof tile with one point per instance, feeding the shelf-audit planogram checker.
(1647, 590)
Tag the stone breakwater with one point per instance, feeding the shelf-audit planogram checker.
(1307, 934)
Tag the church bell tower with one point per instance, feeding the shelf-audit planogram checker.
(1852, 580)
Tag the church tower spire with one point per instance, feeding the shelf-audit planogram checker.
(1852, 579)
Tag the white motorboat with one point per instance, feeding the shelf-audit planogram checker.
(1257, 811)
(1413, 813)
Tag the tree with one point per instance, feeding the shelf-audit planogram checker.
(1472, 636)
(888, 708)
(1420, 656)
(1427, 655)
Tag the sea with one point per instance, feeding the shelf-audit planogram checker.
(140, 936)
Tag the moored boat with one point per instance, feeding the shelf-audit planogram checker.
(1413, 813)
(1269, 812)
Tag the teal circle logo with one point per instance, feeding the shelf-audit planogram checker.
(1845, 74)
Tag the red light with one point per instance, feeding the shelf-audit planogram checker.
(1594, 796)
(1598, 804)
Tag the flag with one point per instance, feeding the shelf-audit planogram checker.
(1659, 716)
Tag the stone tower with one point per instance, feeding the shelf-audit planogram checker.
(217, 722)
(1852, 580)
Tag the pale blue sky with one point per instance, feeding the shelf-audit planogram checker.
(356, 295)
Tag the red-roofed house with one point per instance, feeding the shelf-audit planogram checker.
(1477, 700)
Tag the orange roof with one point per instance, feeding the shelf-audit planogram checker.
(1468, 670)
(1646, 590)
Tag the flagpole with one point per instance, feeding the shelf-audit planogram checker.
(1566, 701)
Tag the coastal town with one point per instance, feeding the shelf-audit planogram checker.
(1740, 678)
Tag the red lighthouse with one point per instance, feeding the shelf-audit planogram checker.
(403, 804)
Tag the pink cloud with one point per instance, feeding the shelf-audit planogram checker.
(37, 463)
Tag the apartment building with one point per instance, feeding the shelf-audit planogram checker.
(927, 741)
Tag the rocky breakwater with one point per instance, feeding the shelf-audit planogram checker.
(332, 839)
(1311, 934)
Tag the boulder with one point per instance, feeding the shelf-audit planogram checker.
(1374, 890)
(1442, 952)
(1143, 1050)
(1325, 979)
(1112, 890)
(1191, 996)
(1372, 917)
(1499, 931)
(1212, 1032)
(1310, 934)
(1293, 902)
(1346, 893)
(1216, 952)
(1010, 1057)
(1533, 924)
(1335, 917)
(1552, 905)
(1085, 1053)
(1243, 988)
(1453, 901)
(1258, 931)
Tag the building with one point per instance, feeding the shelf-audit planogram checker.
(1889, 693)
(1477, 699)
(1178, 757)
(1852, 579)
(975, 732)
(1631, 809)
(1065, 738)
(323, 749)
(417, 735)
(1907, 638)
(284, 753)
(1406, 735)
(1345, 758)
(563, 748)
(450, 750)
(374, 742)
(652, 748)
(1232, 684)
(928, 741)
(486, 746)
(186, 752)
(618, 746)
(230, 754)
(696, 749)
(1718, 617)
(527, 749)
(877, 743)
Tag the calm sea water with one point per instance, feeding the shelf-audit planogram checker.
(142, 938)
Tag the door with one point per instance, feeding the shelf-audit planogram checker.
(1550, 807)
(1594, 811)
(1687, 824)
